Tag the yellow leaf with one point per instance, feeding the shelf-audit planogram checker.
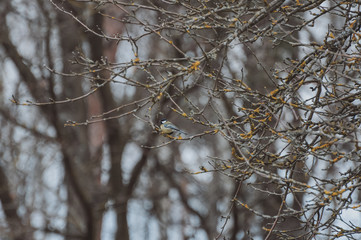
(204, 169)
(351, 25)
(195, 65)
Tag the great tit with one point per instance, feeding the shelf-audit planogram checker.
(167, 127)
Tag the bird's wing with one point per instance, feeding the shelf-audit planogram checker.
(171, 126)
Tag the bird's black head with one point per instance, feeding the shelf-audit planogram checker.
(163, 121)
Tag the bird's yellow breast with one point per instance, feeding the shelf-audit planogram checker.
(166, 130)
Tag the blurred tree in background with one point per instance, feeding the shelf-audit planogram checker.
(268, 92)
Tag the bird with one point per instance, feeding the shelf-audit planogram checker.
(167, 127)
